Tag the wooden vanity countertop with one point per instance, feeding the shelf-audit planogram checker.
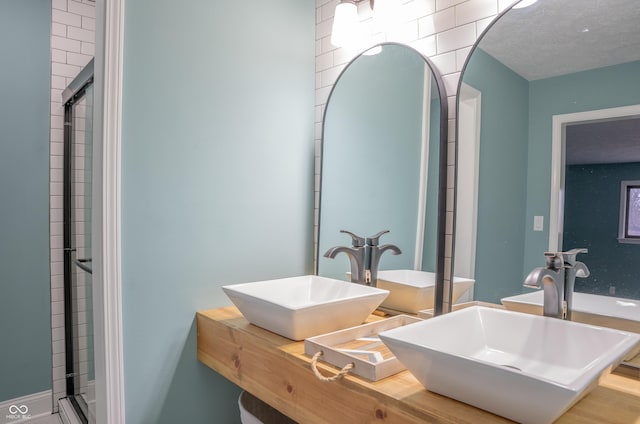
(276, 370)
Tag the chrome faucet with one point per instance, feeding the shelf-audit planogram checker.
(572, 269)
(558, 281)
(375, 253)
(357, 256)
(364, 256)
(551, 280)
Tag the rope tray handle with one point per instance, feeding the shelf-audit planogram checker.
(314, 367)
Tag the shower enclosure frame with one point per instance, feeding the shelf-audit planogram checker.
(74, 92)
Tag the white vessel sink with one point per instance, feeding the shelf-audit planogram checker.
(413, 291)
(305, 306)
(527, 368)
(606, 311)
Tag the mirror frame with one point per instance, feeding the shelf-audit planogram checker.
(442, 173)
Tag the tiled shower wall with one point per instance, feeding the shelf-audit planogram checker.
(72, 46)
(442, 30)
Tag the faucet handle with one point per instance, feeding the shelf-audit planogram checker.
(375, 239)
(554, 260)
(570, 256)
(356, 240)
(581, 270)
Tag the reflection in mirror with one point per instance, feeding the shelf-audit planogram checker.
(600, 156)
(382, 160)
(545, 136)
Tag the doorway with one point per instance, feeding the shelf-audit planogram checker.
(468, 164)
(595, 154)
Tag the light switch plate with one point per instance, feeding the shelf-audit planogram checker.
(538, 223)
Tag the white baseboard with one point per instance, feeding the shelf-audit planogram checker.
(25, 408)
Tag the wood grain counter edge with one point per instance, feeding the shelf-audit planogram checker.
(276, 370)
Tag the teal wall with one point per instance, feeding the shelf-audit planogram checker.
(25, 310)
(502, 176)
(602, 88)
(371, 157)
(217, 182)
(592, 211)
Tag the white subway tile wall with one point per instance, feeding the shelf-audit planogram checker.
(442, 30)
(72, 47)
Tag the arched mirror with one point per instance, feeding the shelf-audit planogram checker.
(383, 161)
(548, 132)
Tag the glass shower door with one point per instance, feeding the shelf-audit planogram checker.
(78, 258)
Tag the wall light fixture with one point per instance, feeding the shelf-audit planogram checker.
(345, 24)
(348, 29)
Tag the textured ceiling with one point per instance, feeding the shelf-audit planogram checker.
(612, 141)
(556, 37)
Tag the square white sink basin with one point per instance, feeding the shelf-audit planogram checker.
(605, 311)
(412, 291)
(305, 306)
(527, 368)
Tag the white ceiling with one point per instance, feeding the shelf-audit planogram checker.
(557, 37)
